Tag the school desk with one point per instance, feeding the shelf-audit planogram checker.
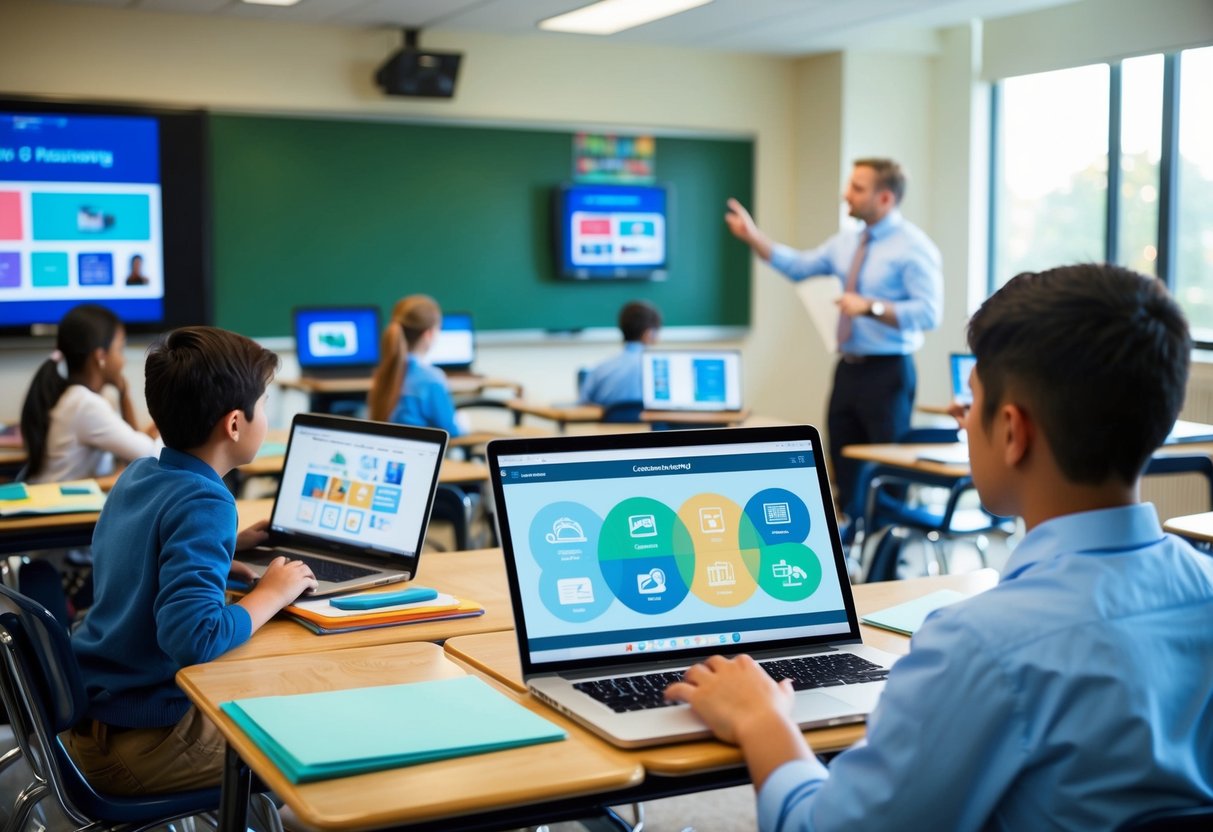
(324, 392)
(437, 795)
(496, 655)
(477, 575)
(1197, 528)
(453, 472)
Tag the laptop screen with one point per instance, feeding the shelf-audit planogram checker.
(355, 483)
(346, 336)
(455, 347)
(629, 553)
(961, 366)
(691, 380)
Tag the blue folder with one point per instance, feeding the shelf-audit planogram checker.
(316, 736)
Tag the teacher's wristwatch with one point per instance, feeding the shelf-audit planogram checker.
(876, 310)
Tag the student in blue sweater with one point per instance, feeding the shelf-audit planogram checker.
(162, 556)
(405, 388)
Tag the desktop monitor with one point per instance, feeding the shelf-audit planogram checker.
(961, 365)
(706, 380)
(455, 348)
(337, 337)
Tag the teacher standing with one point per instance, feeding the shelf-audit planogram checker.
(892, 294)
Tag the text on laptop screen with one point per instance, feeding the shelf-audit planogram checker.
(357, 488)
(684, 380)
(455, 345)
(346, 337)
(648, 552)
(961, 366)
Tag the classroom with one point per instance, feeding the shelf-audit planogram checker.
(779, 115)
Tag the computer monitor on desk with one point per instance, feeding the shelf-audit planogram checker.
(336, 341)
(454, 350)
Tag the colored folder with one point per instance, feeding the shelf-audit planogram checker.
(316, 736)
(51, 498)
(908, 617)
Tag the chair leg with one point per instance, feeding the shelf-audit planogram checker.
(9, 757)
(25, 803)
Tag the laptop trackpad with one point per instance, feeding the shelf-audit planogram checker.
(813, 706)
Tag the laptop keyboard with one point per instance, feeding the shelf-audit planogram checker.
(331, 570)
(638, 693)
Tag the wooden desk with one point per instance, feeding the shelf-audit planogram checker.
(478, 575)
(579, 766)
(496, 655)
(562, 415)
(322, 392)
(907, 456)
(453, 471)
(704, 418)
(1195, 527)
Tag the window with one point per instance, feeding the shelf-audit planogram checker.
(1109, 162)
(1193, 284)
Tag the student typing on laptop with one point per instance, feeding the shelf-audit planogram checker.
(162, 555)
(1075, 695)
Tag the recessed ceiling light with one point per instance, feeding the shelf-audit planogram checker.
(270, 2)
(606, 17)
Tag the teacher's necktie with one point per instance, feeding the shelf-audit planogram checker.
(844, 320)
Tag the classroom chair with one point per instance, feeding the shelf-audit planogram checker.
(892, 516)
(453, 505)
(44, 695)
(1171, 464)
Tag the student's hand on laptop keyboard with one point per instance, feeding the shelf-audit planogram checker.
(253, 536)
(285, 580)
(735, 697)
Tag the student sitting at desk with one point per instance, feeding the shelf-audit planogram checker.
(404, 388)
(70, 430)
(617, 379)
(1078, 693)
(164, 545)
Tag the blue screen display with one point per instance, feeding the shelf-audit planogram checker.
(337, 337)
(608, 231)
(80, 216)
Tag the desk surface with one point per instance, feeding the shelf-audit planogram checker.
(578, 766)
(1192, 526)
(496, 655)
(458, 383)
(477, 575)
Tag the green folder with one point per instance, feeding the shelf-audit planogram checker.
(316, 736)
(908, 617)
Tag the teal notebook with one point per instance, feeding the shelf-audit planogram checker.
(316, 736)
(908, 617)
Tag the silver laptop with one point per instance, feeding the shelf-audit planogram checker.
(707, 380)
(354, 501)
(632, 556)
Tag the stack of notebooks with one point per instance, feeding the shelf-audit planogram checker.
(17, 498)
(461, 716)
(321, 616)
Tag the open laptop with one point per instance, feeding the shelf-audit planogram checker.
(336, 341)
(632, 556)
(707, 380)
(454, 350)
(960, 365)
(354, 501)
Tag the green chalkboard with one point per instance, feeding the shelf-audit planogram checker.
(314, 212)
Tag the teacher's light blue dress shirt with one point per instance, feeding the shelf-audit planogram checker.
(1075, 695)
(901, 268)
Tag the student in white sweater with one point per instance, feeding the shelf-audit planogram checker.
(70, 430)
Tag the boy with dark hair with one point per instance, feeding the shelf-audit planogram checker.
(163, 552)
(1078, 693)
(617, 379)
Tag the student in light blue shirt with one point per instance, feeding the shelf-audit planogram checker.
(1078, 693)
(617, 379)
(404, 388)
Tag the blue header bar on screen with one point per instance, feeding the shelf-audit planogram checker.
(52, 147)
(658, 467)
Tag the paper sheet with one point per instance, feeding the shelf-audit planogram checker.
(820, 298)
